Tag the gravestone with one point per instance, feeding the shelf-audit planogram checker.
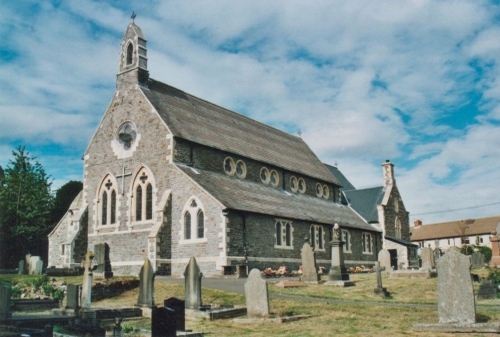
(309, 268)
(38, 267)
(101, 252)
(178, 307)
(27, 262)
(427, 256)
(487, 290)
(32, 266)
(437, 254)
(20, 268)
(72, 296)
(5, 293)
(163, 323)
(257, 297)
(380, 290)
(338, 276)
(146, 286)
(192, 285)
(477, 260)
(117, 328)
(455, 290)
(384, 257)
(87, 280)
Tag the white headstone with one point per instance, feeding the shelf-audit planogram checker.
(256, 295)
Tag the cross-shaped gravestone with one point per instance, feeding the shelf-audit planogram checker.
(87, 280)
(380, 289)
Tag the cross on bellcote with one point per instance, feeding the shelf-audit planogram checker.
(133, 16)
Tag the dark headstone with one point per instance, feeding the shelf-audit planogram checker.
(5, 293)
(487, 290)
(72, 296)
(178, 307)
(101, 252)
(163, 323)
(192, 285)
(48, 330)
(146, 286)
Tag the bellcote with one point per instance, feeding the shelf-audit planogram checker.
(133, 64)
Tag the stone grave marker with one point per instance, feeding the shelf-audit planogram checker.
(87, 280)
(32, 265)
(427, 256)
(72, 296)
(437, 254)
(384, 257)
(20, 268)
(487, 290)
(309, 267)
(38, 267)
(5, 293)
(101, 252)
(192, 285)
(380, 290)
(477, 260)
(146, 286)
(455, 290)
(257, 297)
(338, 275)
(27, 262)
(178, 306)
(163, 323)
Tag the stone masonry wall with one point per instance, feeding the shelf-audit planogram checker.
(391, 214)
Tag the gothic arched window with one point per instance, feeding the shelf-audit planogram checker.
(107, 199)
(143, 199)
(149, 202)
(138, 203)
(130, 53)
(193, 221)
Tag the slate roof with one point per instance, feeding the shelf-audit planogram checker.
(244, 195)
(205, 123)
(456, 228)
(401, 241)
(346, 184)
(365, 201)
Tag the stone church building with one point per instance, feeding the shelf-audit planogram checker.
(168, 176)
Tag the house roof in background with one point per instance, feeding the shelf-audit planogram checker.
(202, 122)
(457, 228)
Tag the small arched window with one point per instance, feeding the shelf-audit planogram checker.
(187, 226)
(149, 202)
(113, 207)
(397, 226)
(138, 203)
(201, 224)
(278, 234)
(130, 52)
(104, 208)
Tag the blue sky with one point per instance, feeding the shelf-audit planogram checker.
(416, 82)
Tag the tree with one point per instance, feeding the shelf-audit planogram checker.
(64, 196)
(25, 205)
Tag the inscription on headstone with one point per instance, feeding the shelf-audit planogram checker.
(257, 297)
(455, 291)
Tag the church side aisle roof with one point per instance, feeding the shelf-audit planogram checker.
(365, 201)
(205, 123)
(244, 195)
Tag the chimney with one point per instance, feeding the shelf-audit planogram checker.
(388, 170)
(417, 223)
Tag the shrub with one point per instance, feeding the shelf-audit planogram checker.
(127, 328)
(494, 275)
(38, 282)
(48, 289)
(15, 292)
(467, 250)
(58, 294)
(486, 251)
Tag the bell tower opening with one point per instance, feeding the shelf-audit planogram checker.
(133, 65)
(130, 53)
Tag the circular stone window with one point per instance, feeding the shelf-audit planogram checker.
(265, 175)
(229, 166)
(294, 184)
(326, 192)
(126, 135)
(319, 190)
(302, 186)
(241, 169)
(275, 178)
